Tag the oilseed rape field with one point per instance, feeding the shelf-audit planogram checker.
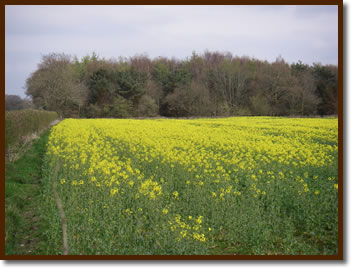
(239, 186)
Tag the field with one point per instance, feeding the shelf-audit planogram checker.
(246, 185)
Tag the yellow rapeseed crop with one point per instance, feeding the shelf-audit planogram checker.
(256, 185)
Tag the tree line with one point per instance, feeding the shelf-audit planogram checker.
(211, 84)
(15, 102)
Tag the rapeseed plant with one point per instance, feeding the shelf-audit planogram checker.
(188, 186)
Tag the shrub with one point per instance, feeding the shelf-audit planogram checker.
(259, 105)
(20, 124)
(147, 106)
(121, 108)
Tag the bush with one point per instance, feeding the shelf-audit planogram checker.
(147, 106)
(121, 108)
(20, 124)
(241, 111)
(92, 111)
(259, 105)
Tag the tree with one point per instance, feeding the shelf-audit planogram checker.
(189, 100)
(121, 108)
(142, 64)
(302, 94)
(154, 91)
(160, 76)
(326, 78)
(14, 102)
(130, 83)
(147, 107)
(259, 105)
(273, 82)
(101, 89)
(210, 84)
(54, 86)
(171, 75)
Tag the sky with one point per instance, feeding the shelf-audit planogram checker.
(306, 33)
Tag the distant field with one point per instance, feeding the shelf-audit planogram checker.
(246, 185)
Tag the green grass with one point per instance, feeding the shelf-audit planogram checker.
(23, 225)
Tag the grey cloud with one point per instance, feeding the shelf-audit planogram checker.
(308, 33)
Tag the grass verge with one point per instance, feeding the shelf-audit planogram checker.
(24, 230)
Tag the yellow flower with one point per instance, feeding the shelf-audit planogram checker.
(200, 237)
(165, 211)
(129, 211)
(151, 188)
(177, 218)
(63, 181)
(113, 191)
(152, 196)
(175, 194)
(199, 219)
(305, 186)
(183, 233)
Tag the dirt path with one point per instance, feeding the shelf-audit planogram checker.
(55, 122)
(31, 217)
(24, 219)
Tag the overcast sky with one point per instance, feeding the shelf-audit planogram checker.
(306, 33)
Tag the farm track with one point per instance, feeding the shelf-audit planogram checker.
(24, 218)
